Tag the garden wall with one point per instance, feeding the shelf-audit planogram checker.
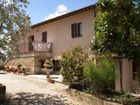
(27, 61)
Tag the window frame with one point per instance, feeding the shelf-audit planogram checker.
(76, 30)
(44, 37)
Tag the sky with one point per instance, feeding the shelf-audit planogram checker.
(41, 10)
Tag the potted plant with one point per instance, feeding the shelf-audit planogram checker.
(19, 68)
(23, 68)
(48, 65)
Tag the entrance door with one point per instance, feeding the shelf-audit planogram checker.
(57, 65)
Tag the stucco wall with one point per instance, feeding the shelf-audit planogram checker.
(59, 32)
(126, 74)
(27, 61)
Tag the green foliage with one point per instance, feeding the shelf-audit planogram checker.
(126, 98)
(2, 67)
(117, 28)
(19, 66)
(100, 77)
(14, 23)
(137, 73)
(22, 68)
(48, 64)
(72, 63)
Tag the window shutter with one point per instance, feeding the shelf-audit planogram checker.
(44, 36)
(79, 29)
(72, 30)
(76, 30)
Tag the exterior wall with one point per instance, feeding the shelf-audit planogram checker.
(31, 61)
(28, 61)
(117, 75)
(59, 32)
(124, 76)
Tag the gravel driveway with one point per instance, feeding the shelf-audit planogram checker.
(24, 90)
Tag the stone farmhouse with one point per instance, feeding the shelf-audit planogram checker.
(48, 39)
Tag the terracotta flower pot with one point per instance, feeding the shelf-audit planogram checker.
(50, 80)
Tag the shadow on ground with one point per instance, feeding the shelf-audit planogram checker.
(34, 99)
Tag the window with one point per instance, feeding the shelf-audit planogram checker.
(44, 36)
(76, 30)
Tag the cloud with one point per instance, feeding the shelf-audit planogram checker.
(6, 2)
(60, 10)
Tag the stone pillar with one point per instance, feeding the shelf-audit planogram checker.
(126, 74)
(2, 92)
(123, 74)
(118, 86)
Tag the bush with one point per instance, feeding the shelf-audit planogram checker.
(138, 75)
(2, 67)
(48, 64)
(13, 69)
(136, 67)
(100, 77)
(72, 63)
(24, 69)
(19, 66)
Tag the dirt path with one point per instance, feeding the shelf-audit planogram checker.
(23, 90)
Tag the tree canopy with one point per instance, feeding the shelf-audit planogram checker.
(118, 28)
(14, 22)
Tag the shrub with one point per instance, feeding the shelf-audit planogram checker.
(136, 67)
(19, 66)
(138, 75)
(12, 69)
(100, 77)
(48, 64)
(23, 69)
(72, 64)
(2, 67)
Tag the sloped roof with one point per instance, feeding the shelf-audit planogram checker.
(64, 16)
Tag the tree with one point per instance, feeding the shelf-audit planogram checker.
(118, 28)
(14, 23)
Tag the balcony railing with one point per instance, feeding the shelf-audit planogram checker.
(35, 46)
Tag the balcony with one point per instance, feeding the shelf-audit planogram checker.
(34, 48)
